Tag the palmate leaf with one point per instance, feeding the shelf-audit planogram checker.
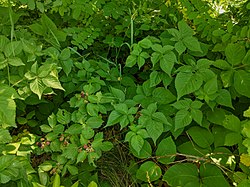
(187, 82)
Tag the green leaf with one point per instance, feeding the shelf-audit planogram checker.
(94, 122)
(186, 83)
(192, 43)
(106, 146)
(182, 119)
(92, 184)
(180, 47)
(63, 116)
(74, 129)
(73, 170)
(224, 98)
(82, 156)
(166, 151)
(37, 86)
(70, 152)
(235, 53)
(242, 82)
(183, 174)
(211, 175)
(119, 94)
(15, 61)
(185, 29)
(146, 151)
(163, 96)
(154, 128)
(182, 104)
(56, 181)
(13, 48)
(232, 123)
(113, 118)
(137, 143)
(197, 116)
(131, 60)
(52, 82)
(5, 136)
(88, 133)
(145, 43)
(7, 112)
(148, 171)
(167, 62)
(211, 86)
(155, 78)
(201, 136)
(93, 109)
(38, 29)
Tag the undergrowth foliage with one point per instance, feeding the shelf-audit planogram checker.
(124, 93)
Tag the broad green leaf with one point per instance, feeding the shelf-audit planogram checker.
(227, 78)
(70, 152)
(63, 116)
(154, 128)
(119, 94)
(221, 64)
(182, 119)
(186, 83)
(211, 86)
(247, 113)
(88, 133)
(7, 112)
(232, 123)
(224, 98)
(185, 29)
(182, 104)
(74, 129)
(94, 122)
(148, 171)
(56, 181)
(167, 62)
(145, 43)
(106, 146)
(137, 143)
(45, 166)
(5, 136)
(3, 42)
(113, 118)
(37, 87)
(166, 151)
(183, 174)
(73, 170)
(235, 53)
(211, 175)
(217, 116)
(163, 96)
(38, 29)
(131, 61)
(67, 66)
(15, 61)
(242, 82)
(121, 108)
(155, 78)
(146, 151)
(189, 148)
(92, 184)
(13, 48)
(155, 57)
(192, 43)
(201, 136)
(197, 116)
(52, 82)
(81, 156)
(92, 109)
(180, 47)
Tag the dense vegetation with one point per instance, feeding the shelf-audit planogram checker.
(124, 93)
